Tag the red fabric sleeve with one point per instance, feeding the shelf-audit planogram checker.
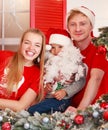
(99, 61)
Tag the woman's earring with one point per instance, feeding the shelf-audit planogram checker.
(38, 59)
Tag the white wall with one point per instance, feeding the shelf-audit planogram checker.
(99, 7)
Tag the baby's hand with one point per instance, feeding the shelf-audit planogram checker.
(48, 87)
(60, 94)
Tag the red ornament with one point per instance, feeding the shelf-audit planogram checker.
(105, 115)
(102, 49)
(6, 126)
(79, 119)
(104, 105)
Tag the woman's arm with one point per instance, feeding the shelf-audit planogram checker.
(16, 105)
(93, 84)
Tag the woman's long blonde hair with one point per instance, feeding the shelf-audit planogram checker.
(16, 65)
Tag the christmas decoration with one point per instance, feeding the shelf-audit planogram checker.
(102, 41)
(79, 119)
(104, 105)
(95, 114)
(105, 115)
(6, 126)
(95, 117)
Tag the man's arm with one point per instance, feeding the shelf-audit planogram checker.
(75, 87)
(92, 88)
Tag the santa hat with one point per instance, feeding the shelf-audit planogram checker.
(90, 14)
(58, 36)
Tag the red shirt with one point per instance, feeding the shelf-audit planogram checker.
(30, 78)
(93, 59)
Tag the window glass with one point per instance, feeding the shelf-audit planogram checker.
(14, 20)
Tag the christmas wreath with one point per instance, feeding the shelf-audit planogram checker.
(95, 117)
(102, 40)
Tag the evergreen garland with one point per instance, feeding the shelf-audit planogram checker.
(95, 117)
(102, 39)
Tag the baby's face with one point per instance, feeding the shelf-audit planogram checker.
(56, 48)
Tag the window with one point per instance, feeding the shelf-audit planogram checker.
(18, 15)
(14, 19)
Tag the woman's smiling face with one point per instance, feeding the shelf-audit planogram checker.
(31, 47)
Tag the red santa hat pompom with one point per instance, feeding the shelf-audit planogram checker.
(58, 36)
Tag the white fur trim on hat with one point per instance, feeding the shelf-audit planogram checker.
(48, 47)
(59, 39)
(88, 13)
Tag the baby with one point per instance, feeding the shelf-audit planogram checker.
(64, 64)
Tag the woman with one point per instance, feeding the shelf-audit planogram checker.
(21, 72)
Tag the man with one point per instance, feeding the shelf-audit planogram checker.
(80, 23)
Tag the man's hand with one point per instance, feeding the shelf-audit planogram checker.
(71, 109)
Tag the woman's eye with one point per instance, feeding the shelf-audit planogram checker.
(37, 45)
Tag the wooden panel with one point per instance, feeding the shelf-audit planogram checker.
(48, 14)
